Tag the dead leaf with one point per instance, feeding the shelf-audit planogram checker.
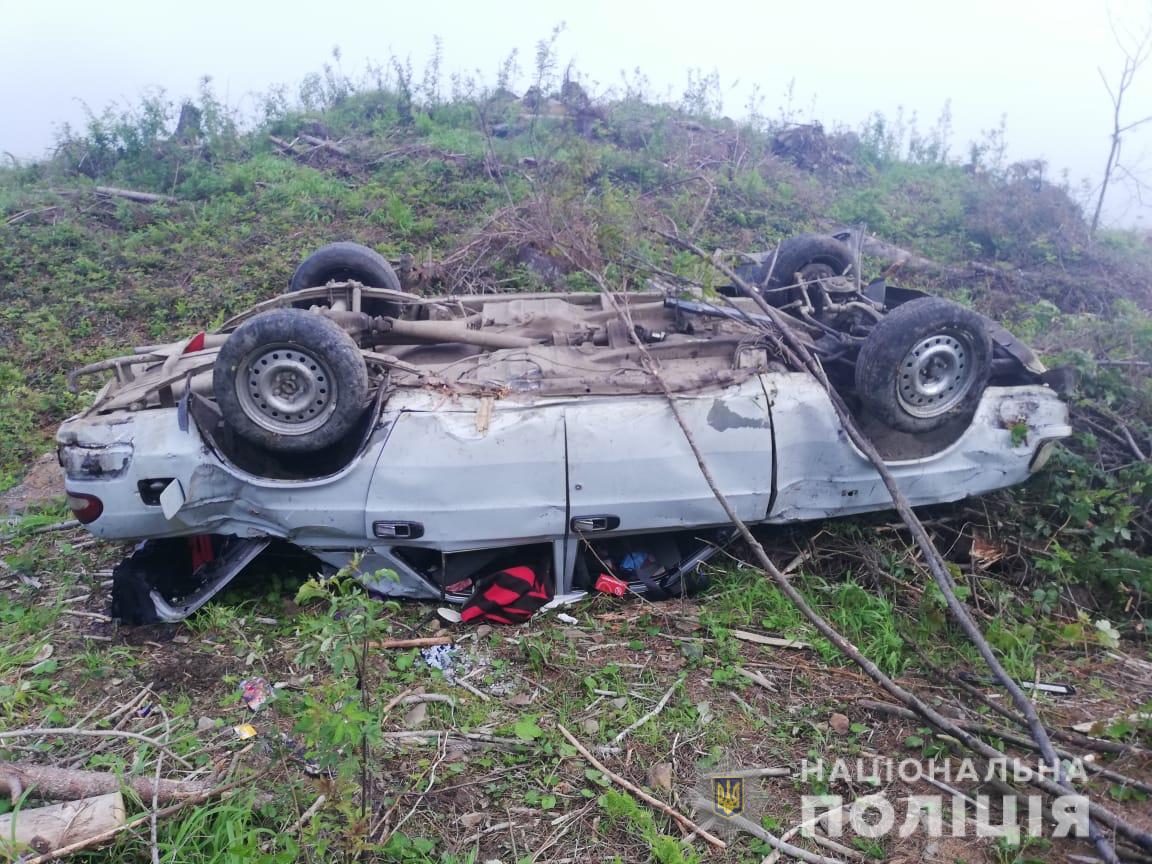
(416, 715)
(660, 776)
(471, 820)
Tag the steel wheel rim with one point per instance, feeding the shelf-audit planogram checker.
(935, 375)
(286, 390)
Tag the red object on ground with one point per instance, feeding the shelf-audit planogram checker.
(609, 584)
(506, 597)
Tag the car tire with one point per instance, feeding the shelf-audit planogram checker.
(924, 365)
(290, 381)
(813, 256)
(343, 262)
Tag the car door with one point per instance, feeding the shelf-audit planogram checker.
(460, 479)
(630, 467)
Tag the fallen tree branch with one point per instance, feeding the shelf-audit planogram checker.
(1082, 741)
(68, 784)
(772, 840)
(1011, 738)
(61, 824)
(291, 830)
(325, 144)
(812, 823)
(899, 259)
(97, 839)
(419, 642)
(66, 525)
(682, 820)
(757, 678)
(799, 354)
(96, 733)
(659, 707)
(24, 214)
(794, 350)
(133, 195)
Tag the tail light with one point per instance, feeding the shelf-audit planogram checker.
(196, 343)
(86, 508)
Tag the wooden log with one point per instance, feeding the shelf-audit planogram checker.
(58, 825)
(68, 784)
(417, 642)
(326, 144)
(133, 195)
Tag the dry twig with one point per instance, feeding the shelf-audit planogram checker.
(96, 733)
(679, 817)
(659, 707)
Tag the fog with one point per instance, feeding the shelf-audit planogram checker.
(1033, 63)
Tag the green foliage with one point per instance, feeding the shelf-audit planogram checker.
(623, 811)
(1088, 511)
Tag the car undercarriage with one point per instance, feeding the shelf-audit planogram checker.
(428, 440)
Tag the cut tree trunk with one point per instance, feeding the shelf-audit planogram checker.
(133, 195)
(66, 784)
(59, 825)
(900, 259)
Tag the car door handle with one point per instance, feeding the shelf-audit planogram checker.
(594, 524)
(389, 530)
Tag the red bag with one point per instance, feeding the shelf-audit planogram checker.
(507, 596)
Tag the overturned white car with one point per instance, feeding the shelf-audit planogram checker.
(436, 438)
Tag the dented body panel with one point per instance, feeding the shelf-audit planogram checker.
(531, 425)
(475, 472)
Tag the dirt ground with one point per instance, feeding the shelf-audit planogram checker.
(43, 484)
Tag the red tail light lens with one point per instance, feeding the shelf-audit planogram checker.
(86, 508)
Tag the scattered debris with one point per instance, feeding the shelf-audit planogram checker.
(245, 731)
(452, 662)
(256, 692)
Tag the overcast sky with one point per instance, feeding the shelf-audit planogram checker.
(1034, 61)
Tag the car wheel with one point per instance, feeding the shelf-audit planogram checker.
(924, 365)
(343, 262)
(290, 381)
(808, 257)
